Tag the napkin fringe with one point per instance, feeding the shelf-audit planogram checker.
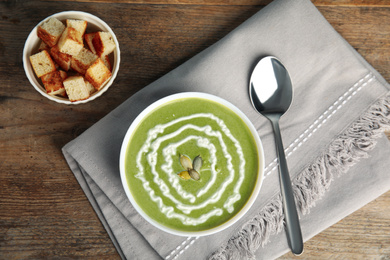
(311, 184)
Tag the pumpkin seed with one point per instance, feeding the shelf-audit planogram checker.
(194, 174)
(198, 162)
(185, 162)
(184, 175)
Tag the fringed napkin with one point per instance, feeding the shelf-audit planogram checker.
(333, 136)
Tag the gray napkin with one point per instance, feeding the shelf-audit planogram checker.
(333, 136)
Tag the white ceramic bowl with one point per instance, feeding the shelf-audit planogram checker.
(168, 99)
(32, 44)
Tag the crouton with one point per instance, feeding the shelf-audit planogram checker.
(71, 41)
(107, 62)
(62, 59)
(82, 61)
(42, 63)
(63, 75)
(50, 31)
(89, 86)
(75, 88)
(43, 46)
(103, 43)
(79, 25)
(88, 37)
(53, 83)
(98, 74)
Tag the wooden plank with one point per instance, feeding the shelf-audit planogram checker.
(350, 3)
(367, 29)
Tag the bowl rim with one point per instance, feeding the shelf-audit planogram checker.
(28, 47)
(156, 105)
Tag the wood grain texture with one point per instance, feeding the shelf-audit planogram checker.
(352, 3)
(43, 211)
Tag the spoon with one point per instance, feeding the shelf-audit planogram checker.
(271, 94)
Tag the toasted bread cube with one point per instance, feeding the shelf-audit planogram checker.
(107, 62)
(53, 83)
(50, 31)
(42, 63)
(98, 74)
(43, 46)
(79, 25)
(82, 61)
(89, 86)
(71, 41)
(75, 88)
(56, 64)
(62, 59)
(103, 43)
(88, 37)
(63, 75)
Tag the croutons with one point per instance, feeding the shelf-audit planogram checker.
(89, 86)
(71, 41)
(98, 74)
(79, 25)
(75, 88)
(103, 43)
(50, 31)
(69, 54)
(63, 75)
(62, 59)
(53, 82)
(107, 62)
(88, 37)
(82, 61)
(44, 46)
(89, 40)
(42, 63)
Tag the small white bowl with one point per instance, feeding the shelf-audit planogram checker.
(32, 44)
(160, 103)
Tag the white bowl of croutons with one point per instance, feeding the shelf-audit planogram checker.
(71, 57)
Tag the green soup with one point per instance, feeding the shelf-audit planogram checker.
(191, 127)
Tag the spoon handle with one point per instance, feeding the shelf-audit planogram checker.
(293, 229)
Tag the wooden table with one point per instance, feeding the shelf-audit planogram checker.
(43, 211)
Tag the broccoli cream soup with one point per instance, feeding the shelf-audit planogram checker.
(191, 164)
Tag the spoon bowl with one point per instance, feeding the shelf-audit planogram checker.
(270, 87)
(271, 93)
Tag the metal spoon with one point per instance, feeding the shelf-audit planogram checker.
(271, 94)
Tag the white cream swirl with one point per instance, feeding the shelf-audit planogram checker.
(151, 150)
